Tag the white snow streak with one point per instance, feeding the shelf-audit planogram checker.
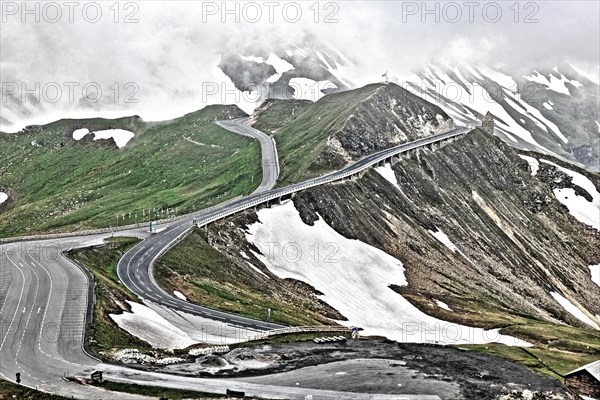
(443, 238)
(255, 59)
(503, 80)
(595, 272)
(3, 197)
(388, 174)
(556, 84)
(443, 305)
(573, 310)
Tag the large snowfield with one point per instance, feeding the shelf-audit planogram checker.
(354, 278)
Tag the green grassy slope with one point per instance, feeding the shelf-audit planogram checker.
(65, 184)
(304, 135)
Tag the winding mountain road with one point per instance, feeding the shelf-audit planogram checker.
(135, 267)
(44, 297)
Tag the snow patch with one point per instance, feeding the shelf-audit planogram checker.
(308, 89)
(533, 163)
(548, 106)
(477, 99)
(355, 279)
(573, 310)
(503, 80)
(583, 210)
(147, 325)
(595, 272)
(180, 295)
(120, 136)
(78, 134)
(257, 270)
(3, 197)
(279, 64)
(535, 115)
(443, 238)
(555, 84)
(443, 305)
(388, 174)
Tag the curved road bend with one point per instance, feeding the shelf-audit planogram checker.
(43, 303)
(135, 267)
(270, 161)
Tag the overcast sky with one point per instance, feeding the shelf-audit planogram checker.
(168, 50)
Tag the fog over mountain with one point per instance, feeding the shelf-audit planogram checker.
(160, 65)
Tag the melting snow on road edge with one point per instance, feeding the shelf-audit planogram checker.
(355, 279)
(180, 295)
(146, 324)
(573, 310)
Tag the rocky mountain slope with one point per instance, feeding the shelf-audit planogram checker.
(553, 110)
(316, 137)
(480, 242)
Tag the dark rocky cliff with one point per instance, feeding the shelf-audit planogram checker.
(518, 242)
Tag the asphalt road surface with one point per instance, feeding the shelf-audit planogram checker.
(270, 161)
